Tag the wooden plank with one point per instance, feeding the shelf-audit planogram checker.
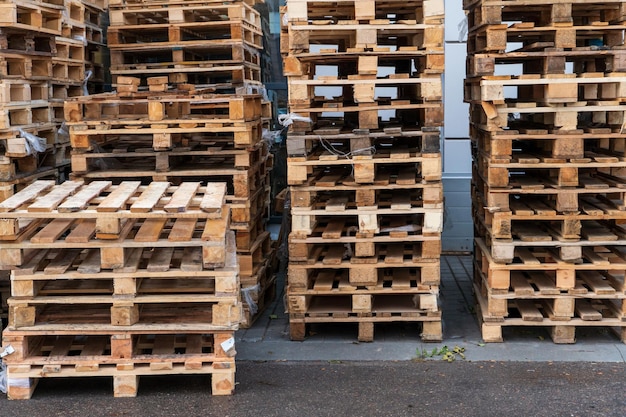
(52, 231)
(333, 229)
(62, 262)
(334, 255)
(150, 230)
(118, 197)
(182, 231)
(51, 200)
(150, 197)
(91, 263)
(528, 310)
(182, 197)
(81, 199)
(160, 260)
(83, 232)
(586, 312)
(214, 197)
(26, 195)
(520, 285)
(192, 259)
(395, 254)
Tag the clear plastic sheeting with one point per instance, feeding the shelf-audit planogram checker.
(34, 144)
(3, 378)
(88, 75)
(246, 293)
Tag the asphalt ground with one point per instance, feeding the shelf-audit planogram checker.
(406, 388)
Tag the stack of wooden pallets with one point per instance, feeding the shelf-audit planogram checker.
(44, 51)
(28, 33)
(182, 135)
(364, 166)
(208, 43)
(119, 280)
(546, 85)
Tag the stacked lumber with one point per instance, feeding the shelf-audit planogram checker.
(43, 56)
(121, 281)
(546, 85)
(364, 164)
(182, 135)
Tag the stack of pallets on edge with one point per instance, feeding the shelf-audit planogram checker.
(43, 58)
(364, 166)
(28, 132)
(119, 280)
(546, 85)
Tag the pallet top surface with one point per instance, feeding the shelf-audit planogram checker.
(128, 199)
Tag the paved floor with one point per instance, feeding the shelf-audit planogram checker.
(268, 338)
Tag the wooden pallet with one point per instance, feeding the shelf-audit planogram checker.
(380, 36)
(403, 62)
(207, 74)
(599, 270)
(325, 182)
(128, 217)
(558, 173)
(369, 11)
(30, 16)
(409, 112)
(543, 14)
(122, 355)
(369, 219)
(360, 273)
(145, 108)
(546, 88)
(19, 66)
(180, 13)
(430, 323)
(604, 187)
(242, 183)
(551, 145)
(502, 37)
(194, 33)
(365, 164)
(583, 301)
(133, 153)
(65, 272)
(595, 215)
(425, 140)
(359, 89)
(34, 114)
(15, 40)
(251, 261)
(187, 310)
(527, 313)
(182, 59)
(545, 59)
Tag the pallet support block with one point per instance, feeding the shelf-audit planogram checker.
(432, 331)
(125, 386)
(366, 331)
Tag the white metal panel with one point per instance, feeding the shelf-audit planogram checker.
(456, 113)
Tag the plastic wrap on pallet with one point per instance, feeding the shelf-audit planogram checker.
(463, 28)
(287, 120)
(272, 136)
(246, 293)
(88, 75)
(63, 133)
(34, 144)
(3, 378)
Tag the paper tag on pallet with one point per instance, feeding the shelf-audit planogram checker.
(228, 346)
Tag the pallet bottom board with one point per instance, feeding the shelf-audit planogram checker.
(429, 331)
(125, 383)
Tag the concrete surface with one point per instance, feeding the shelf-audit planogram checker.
(303, 389)
(268, 339)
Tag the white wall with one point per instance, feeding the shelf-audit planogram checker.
(457, 161)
